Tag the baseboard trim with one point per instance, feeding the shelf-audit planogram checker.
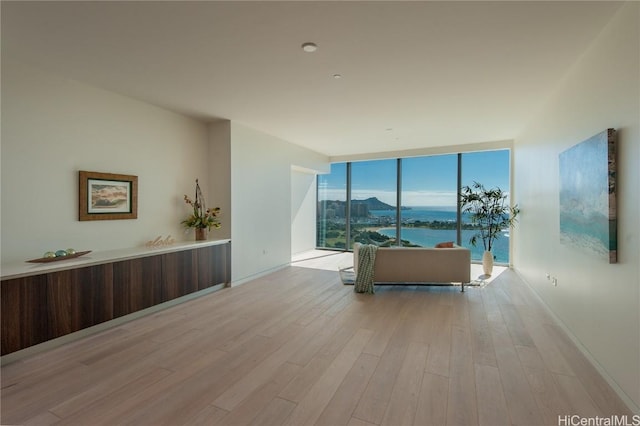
(633, 407)
(258, 275)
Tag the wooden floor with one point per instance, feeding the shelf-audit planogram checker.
(298, 348)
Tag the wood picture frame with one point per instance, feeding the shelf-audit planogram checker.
(107, 196)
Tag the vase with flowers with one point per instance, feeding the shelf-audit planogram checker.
(202, 219)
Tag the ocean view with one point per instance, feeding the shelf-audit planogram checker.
(427, 237)
(364, 195)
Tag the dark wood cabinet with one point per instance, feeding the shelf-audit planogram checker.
(78, 298)
(179, 274)
(41, 307)
(137, 284)
(11, 303)
(24, 313)
(214, 264)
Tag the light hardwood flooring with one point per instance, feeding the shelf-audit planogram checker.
(297, 347)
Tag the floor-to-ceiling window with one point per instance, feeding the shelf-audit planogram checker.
(425, 189)
(429, 200)
(490, 168)
(332, 208)
(373, 201)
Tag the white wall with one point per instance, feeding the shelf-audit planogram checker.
(52, 127)
(220, 175)
(596, 301)
(303, 210)
(261, 199)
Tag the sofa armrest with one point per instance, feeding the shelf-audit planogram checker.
(356, 251)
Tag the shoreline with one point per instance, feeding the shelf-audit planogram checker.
(433, 236)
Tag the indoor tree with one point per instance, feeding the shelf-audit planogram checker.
(490, 213)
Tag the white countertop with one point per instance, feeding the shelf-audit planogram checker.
(25, 269)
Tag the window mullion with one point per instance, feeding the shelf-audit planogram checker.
(399, 202)
(458, 206)
(347, 210)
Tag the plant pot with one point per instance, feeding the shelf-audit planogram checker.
(201, 234)
(487, 262)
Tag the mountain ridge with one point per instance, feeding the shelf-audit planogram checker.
(373, 203)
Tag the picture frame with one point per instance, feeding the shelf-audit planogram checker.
(107, 196)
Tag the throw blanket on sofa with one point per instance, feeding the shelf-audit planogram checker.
(366, 260)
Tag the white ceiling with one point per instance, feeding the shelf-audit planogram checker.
(414, 74)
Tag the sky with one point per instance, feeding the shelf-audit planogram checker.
(426, 181)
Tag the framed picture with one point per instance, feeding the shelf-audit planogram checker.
(107, 196)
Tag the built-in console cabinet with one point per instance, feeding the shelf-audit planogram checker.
(40, 306)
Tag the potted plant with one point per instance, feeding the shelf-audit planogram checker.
(202, 218)
(490, 213)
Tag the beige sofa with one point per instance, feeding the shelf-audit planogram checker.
(399, 265)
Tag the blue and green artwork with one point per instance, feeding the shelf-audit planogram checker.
(588, 196)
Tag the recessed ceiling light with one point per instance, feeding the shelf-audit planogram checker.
(309, 47)
(337, 76)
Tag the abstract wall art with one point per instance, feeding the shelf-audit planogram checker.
(588, 218)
